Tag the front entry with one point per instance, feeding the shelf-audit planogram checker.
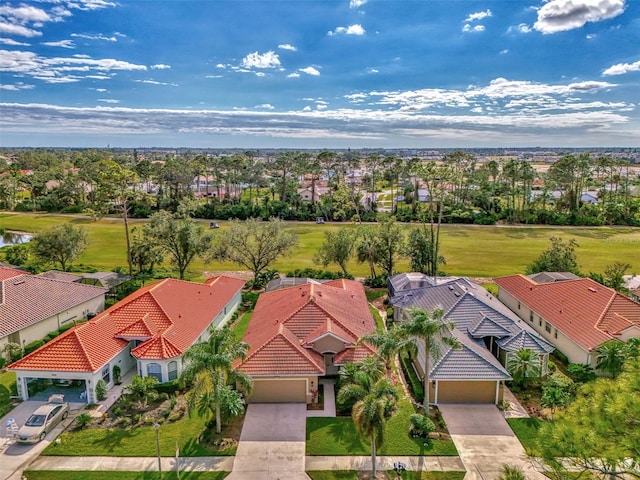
(329, 367)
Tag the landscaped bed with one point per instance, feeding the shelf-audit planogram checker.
(117, 475)
(338, 436)
(391, 475)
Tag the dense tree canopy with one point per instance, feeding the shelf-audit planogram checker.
(61, 244)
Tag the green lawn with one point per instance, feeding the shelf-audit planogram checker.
(7, 388)
(376, 317)
(240, 327)
(526, 429)
(353, 475)
(469, 250)
(374, 294)
(338, 436)
(136, 442)
(117, 475)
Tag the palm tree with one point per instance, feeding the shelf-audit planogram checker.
(388, 344)
(611, 357)
(209, 366)
(510, 472)
(375, 402)
(523, 365)
(431, 331)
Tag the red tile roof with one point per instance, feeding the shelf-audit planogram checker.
(287, 321)
(173, 312)
(8, 272)
(585, 311)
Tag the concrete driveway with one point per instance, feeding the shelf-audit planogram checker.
(272, 443)
(485, 441)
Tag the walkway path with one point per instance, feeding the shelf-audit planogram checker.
(329, 400)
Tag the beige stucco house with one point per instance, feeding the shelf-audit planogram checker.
(299, 334)
(31, 306)
(148, 331)
(575, 315)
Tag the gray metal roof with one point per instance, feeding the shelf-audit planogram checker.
(550, 277)
(469, 362)
(485, 326)
(526, 339)
(285, 282)
(413, 280)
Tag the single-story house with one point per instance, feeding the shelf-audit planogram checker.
(299, 334)
(632, 283)
(149, 330)
(32, 306)
(576, 316)
(487, 332)
(307, 193)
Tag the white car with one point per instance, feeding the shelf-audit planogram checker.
(43, 420)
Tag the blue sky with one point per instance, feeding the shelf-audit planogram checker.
(320, 74)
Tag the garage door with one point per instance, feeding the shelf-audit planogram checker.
(279, 391)
(466, 392)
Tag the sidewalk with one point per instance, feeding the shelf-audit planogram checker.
(134, 464)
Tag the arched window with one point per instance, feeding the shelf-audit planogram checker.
(173, 370)
(154, 370)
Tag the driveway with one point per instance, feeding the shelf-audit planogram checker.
(485, 441)
(272, 443)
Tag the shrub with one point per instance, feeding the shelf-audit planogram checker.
(30, 347)
(136, 417)
(581, 373)
(173, 402)
(169, 387)
(421, 425)
(101, 390)
(412, 378)
(174, 417)
(249, 300)
(378, 282)
(123, 421)
(317, 274)
(83, 420)
(3, 362)
(561, 357)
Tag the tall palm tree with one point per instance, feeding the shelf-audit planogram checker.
(611, 357)
(375, 402)
(388, 344)
(431, 331)
(209, 366)
(523, 365)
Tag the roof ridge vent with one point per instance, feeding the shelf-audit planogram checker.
(18, 282)
(593, 289)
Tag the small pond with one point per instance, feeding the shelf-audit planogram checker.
(12, 238)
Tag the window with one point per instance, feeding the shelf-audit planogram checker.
(531, 317)
(154, 370)
(173, 370)
(555, 334)
(518, 305)
(106, 375)
(540, 321)
(547, 327)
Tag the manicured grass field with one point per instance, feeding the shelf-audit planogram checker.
(476, 251)
(338, 436)
(376, 317)
(241, 325)
(7, 388)
(526, 429)
(353, 475)
(117, 475)
(136, 442)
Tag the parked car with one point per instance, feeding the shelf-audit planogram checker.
(43, 420)
(319, 220)
(214, 225)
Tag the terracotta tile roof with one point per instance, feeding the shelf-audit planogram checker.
(286, 320)
(585, 311)
(175, 312)
(28, 299)
(360, 352)
(63, 276)
(8, 272)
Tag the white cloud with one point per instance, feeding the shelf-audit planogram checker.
(265, 60)
(356, 3)
(265, 106)
(476, 28)
(504, 52)
(561, 15)
(95, 37)
(287, 46)
(11, 41)
(355, 29)
(306, 109)
(478, 16)
(293, 75)
(590, 36)
(101, 90)
(213, 76)
(16, 86)
(622, 68)
(160, 66)
(54, 69)
(221, 65)
(373, 70)
(108, 100)
(60, 43)
(90, 4)
(13, 29)
(310, 71)
(521, 28)
(24, 14)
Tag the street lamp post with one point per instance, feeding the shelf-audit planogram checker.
(157, 428)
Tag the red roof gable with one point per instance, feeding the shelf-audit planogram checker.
(585, 311)
(8, 272)
(285, 320)
(174, 312)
